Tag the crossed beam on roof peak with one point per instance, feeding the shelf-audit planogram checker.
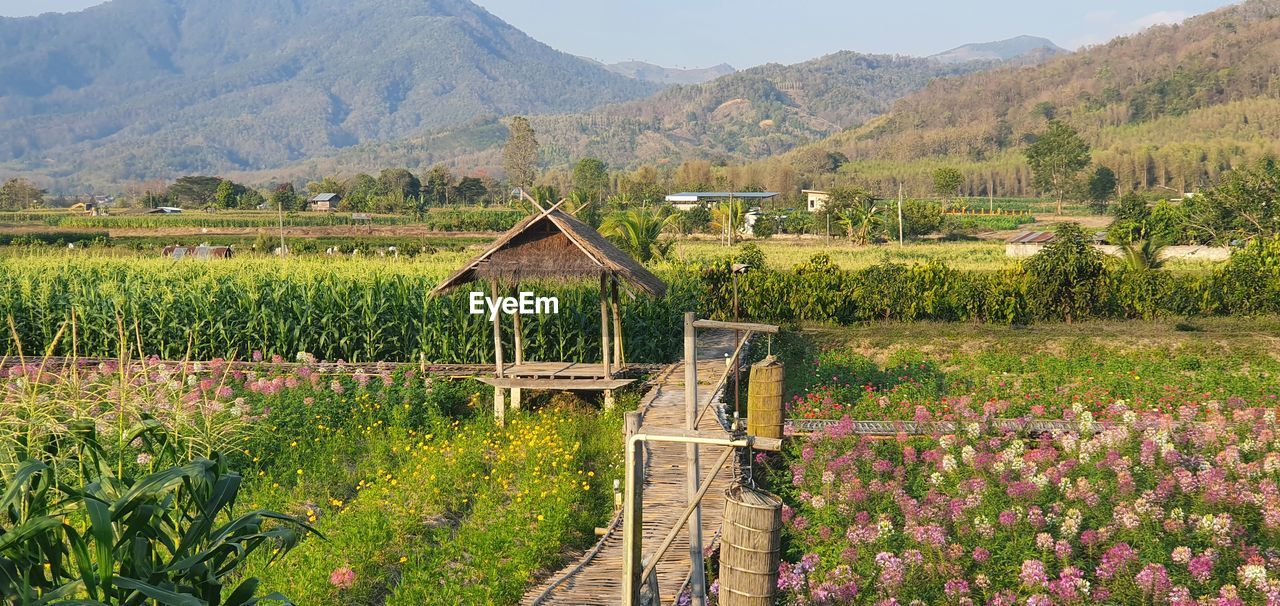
(546, 211)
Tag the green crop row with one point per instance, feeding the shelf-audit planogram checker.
(358, 310)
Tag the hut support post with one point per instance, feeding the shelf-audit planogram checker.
(499, 399)
(518, 326)
(619, 356)
(604, 324)
(697, 571)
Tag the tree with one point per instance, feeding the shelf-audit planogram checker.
(327, 185)
(1244, 205)
(283, 197)
(591, 177)
(853, 208)
(20, 194)
(730, 218)
(1102, 187)
(919, 218)
(638, 231)
(1056, 157)
(520, 154)
(1065, 279)
(361, 191)
(435, 190)
(225, 195)
(194, 191)
(469, 190)
(946, 183)
(393, 181)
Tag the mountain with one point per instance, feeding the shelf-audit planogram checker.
(155, 88)
(1171, 107)
(1002, 50)
(750, 114)
(669, 75)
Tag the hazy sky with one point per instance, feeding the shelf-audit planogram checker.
(699, 33)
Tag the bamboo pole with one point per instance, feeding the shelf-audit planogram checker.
(619, 355)
(604, 324)
(499, 403)
(518, 338)
(697, 572)
(632, 515)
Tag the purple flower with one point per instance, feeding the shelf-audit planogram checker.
(1153, 580)
(1201, 568)
(956, 587)
(1033, 574)
(1115, 559)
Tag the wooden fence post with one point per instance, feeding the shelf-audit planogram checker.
(697, 572)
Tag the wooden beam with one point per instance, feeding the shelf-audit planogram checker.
(717, 325)
(556, 384)
(604, 325)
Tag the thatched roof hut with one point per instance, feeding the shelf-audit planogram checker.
(553, 245)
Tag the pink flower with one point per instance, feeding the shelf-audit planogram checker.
(1153, 580)
(343, 577)
(1033, 573)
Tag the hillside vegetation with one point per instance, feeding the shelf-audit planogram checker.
(1174, 107)
(751, 114)
(151, 88)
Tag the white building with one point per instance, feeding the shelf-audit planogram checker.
(817, 199)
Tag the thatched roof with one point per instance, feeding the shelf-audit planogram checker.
(553, 245)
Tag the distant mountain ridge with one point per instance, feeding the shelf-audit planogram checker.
(1001, 50)
(1171, 107)
(750, 114)
(136, 89)
(669, 75)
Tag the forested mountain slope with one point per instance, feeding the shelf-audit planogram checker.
(1172, 107)
(143, 88)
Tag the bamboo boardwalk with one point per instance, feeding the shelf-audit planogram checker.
(596, 578)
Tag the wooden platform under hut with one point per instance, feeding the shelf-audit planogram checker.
(553, 245)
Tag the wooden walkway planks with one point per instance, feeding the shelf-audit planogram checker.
(596, 579)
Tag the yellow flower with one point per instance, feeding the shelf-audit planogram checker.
(539, 517)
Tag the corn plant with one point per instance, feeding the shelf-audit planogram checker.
(164, 531)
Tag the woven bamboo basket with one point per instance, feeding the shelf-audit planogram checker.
(764, 399)
(751, 547)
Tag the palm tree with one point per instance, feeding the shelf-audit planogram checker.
(637, 232)
(1143, 255)
(729, 217)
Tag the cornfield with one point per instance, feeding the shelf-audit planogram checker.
(439, 219)
(357, 310)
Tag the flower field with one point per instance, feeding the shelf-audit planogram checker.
(1166, 490)
(416, 496)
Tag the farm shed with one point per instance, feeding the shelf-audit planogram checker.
(689, 200)
(326, 201)
(816, 199)
(553, 245)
